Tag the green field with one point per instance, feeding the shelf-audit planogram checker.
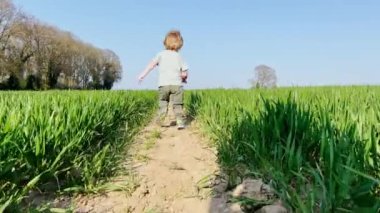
(318, 147)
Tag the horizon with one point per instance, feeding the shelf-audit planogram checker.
(336, 41)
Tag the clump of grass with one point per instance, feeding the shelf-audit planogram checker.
(153, 210)
(156, 134)
(149, 143)
(151, 139)
(142, 157)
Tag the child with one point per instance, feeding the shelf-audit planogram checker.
(172, 73)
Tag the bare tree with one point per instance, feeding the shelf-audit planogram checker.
(7, 18)
(8, 14)
(264, 77)
(21, 47)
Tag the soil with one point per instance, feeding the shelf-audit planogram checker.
(174, 170)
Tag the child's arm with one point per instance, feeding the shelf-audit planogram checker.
(147, 70)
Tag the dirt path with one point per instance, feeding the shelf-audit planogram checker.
(175, 170)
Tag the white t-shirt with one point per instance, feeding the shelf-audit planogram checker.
(170, 65)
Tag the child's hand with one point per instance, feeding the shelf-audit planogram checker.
(184, 77)
(141, 78)
(147, 70)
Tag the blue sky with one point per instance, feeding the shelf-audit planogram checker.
(307, 42)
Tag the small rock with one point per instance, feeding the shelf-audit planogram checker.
(234, 208)
(272, 209)
(265, 188)
(250, 188)
(86, 209)
(220, 206)
(221, 187)
(238, 191)
(144, 193)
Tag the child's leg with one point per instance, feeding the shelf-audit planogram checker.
(170, 114)
(163, 98)
(178, 105)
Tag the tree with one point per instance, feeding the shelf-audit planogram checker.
(13, 82)
(8, 16)
(33, 82)
(111, 70)
(38, 56)
(265, 77)
(21, 47)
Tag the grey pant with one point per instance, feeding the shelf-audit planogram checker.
(174, 94)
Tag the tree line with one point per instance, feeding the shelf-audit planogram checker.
(38, 56)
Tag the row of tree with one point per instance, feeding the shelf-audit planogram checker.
(38, 56)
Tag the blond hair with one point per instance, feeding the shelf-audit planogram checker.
(173, 40)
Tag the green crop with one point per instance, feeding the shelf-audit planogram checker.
(318, 147)
(71, 140)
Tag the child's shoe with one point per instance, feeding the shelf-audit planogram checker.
(180, 124)
(173, 123)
